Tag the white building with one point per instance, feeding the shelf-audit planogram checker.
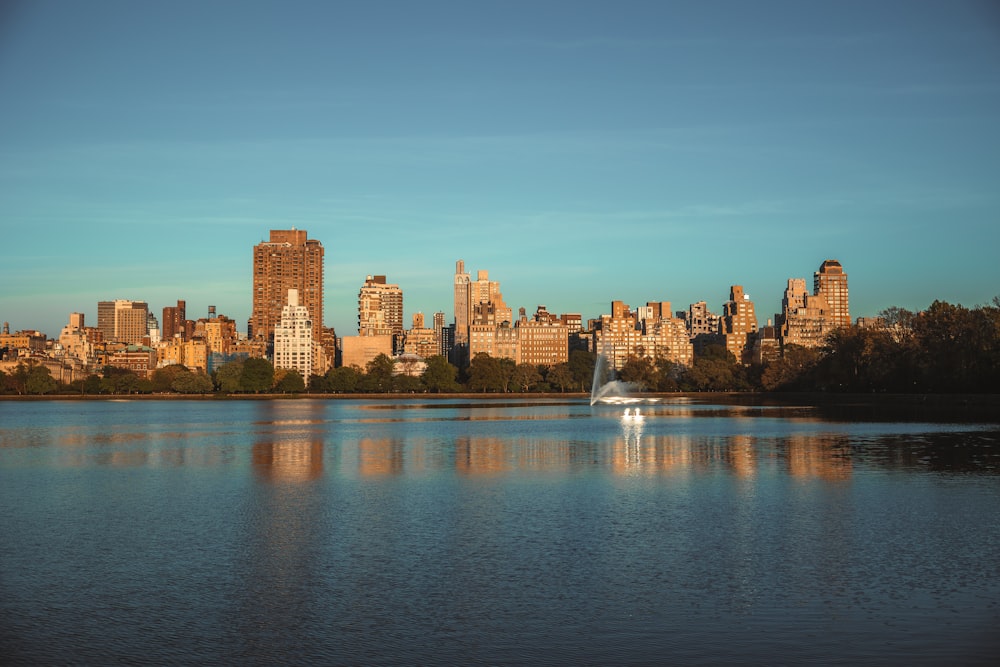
(293, 341)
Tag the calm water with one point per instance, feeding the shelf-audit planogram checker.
(492, 532)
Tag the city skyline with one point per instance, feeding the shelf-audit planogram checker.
(580, 152)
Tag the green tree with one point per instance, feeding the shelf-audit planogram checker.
(91, 385)
(378, 375)
(317, 384)
(408, 384)
(290, 382)
(560, 376)
(488, 374)
(639, 371)
(189, 382)
(716, 369)
(257, 376)
(228, 376)
(164, 377)
(120, 381)
(667, 374)
(793, 370)
(343, 380)
(439, 376)
(581, 364)
(17, 379)
(524, 377)
(40, 381)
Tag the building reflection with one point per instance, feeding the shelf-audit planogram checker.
(823, 456)
(741, 456)
(493, 456)
(288, 441)
(379, 457)
(289, 460)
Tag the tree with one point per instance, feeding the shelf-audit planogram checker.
(227, 377)
(716, 369)
(793, 370)
(16, 380)
(638, 371)
(120, 381)
(581, 365)
(257, 375)
(40, 381)
(488, 374)
(560, 376)
(378, 375)
(409, 384)
(189, 382)
(290, 382)
(343, 380)
(91, 385)
(667, 373)
(164, 377)
(525, 376)
(439, 376)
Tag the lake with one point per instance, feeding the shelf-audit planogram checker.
(495, 531)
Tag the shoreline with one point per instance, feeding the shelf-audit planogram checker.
(915, 401)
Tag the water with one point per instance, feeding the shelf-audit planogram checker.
(492, 532)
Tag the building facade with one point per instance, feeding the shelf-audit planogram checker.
(830, 282)
(175, 321)
(380, 310)
(293, 338)
(288, 260)
(123, 321)
(739, 324)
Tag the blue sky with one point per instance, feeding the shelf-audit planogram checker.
(580, 152)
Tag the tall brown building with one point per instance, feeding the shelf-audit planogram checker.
(739, 323)
(175, 322)
(830, 282)
(288, 260)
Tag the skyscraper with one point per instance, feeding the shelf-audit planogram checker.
(175, 321)
(831, 282)
(462, 281)
(380, 310)
(739, 323)
(123, 320)
(293, 338)
(288, 260)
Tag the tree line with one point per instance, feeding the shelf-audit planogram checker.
(944, 349)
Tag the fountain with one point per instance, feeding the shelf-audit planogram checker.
(607, 388)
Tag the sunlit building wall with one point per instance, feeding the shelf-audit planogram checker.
(288, 260)
(830, 282)
(739, 324)
(293, 338)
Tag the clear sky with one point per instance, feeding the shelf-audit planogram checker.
(581, 152)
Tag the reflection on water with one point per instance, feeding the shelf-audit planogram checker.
(493, 532)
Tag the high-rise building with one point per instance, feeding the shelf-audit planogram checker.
(106, 319)
(123, 320)
(739, 324)
(288, 260)
(174, 321)
(293, 338)
(380, 310)
(804, 319)
(462, 280)
(830, 282)
(421, 341)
